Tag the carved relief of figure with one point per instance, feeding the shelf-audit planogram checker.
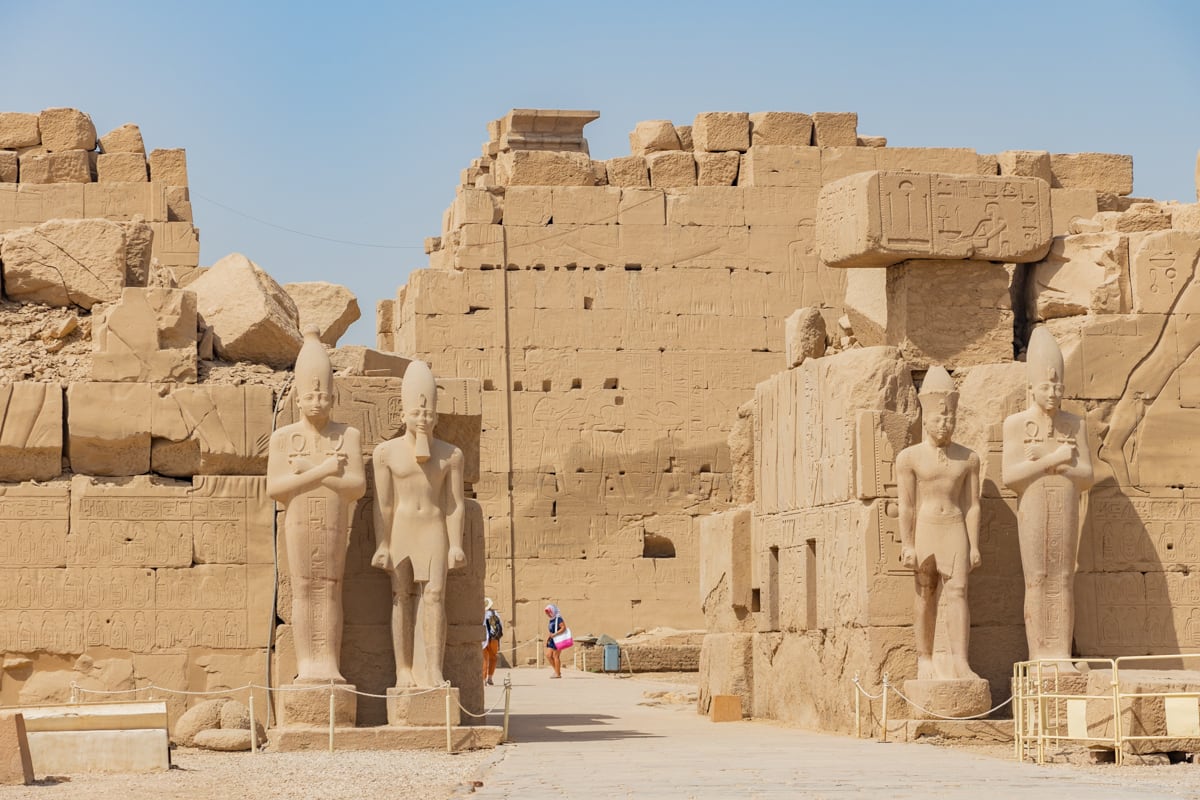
(315, 470)
(938, 482)
(1048, 464)
(418, 527)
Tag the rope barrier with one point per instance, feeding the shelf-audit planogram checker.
(936, 715)
(323, 687)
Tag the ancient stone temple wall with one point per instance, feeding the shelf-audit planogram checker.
(618, 312)
(803, 588)
(137, 540)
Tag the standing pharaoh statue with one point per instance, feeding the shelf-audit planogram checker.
(419, 515)
(315, 471)
(1048, 464)
(939, 528)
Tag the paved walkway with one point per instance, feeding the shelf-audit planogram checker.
(587, 736)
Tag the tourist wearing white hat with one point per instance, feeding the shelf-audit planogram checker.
(493, 631)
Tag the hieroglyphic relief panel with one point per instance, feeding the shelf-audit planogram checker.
(875, 219)
(1155, 531)
(1131, 613)
(34, 521)
(1163, 277)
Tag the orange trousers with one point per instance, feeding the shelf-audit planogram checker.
(490, 655)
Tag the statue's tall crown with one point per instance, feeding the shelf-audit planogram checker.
(1043, 359)
(938, 382)
(419, 387)
(313, 368)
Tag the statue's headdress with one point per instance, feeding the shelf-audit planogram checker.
(419, 387)
(938, 384)
(1043, 359)
(313, 368)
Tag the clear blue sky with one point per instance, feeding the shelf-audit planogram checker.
(351, 120)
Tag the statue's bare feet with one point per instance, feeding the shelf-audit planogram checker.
(925, 671)
(404, 678)
(963, 671)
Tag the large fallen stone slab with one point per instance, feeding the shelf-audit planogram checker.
(65, 262)
(251, 316)
(104, 737)
(876, 219)
(332, 308)
(150, 335)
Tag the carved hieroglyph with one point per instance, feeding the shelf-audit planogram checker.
(939, 526)
(875, 219)
(315, 471)
(418, 529)
(1048, 464)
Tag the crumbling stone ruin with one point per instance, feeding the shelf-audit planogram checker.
(140, 390)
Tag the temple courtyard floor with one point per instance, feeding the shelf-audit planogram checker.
(602, 736)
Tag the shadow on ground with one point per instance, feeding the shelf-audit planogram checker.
(550, 728)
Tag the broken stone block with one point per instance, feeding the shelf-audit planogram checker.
(1086, 273)
(684, 132)
(204, 716)
(176, 244)
(720, 131)
(1186, 217)
(1025, 164)
(66, 166)
(543, 129)
(475, 206)
(150, 335)
(19, 130)
(16, 765)
(169, 166)
(717, 169)
(1067, 205)
(30, 431)
(358, 360)
(65, 262)
(1104, 172)
(179, 204)
(781, 127)
(881, 141)
(125, 139)
(835, 129)
(804, 335)
(672, 169)
(226, 741)
(544, 168)
(653, 136)
(1141, 218)
(212, 430)
(121, 168)
(66, 129)
(627, 171)
(332, 308)
(251, 316)
(875, 219)
(108, 428)
(8, 166)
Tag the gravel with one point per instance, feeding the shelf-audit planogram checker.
(205, 775)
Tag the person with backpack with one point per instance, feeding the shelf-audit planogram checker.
(493, 632)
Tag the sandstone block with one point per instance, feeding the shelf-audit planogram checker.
(329, 306)
(1067, 205)
(725, 708)
(804, 334)
(684, 132)
(627, 171)
(672, 169)
(527, 205)
(109, 427)
(1104, 172)
(307, 705)
(30, 431)
(179, 204)
(16, 766)
(61, 166)
(8, 166)
(121, 167)
(989, 164)
(779, 165)
(149, 335)
(721, 131)
(212, 430)
(1173, 721)
(1186, 217)
(544, 168)
(226, 741)
(717, 169)
(876, 219)
(584, 205)
(123, 201)
(642, 207)
(475, 206)
(543, 129)
(421, 708)
(125, 139)
(65, 262)
(875, 141)
(835, 129)
(841, 162)
(706, 205)
(1086, 273)
(204, 716)
(653, 136)
(781, 127)
(948, 698)
(19, 130)
(1140, 218)
(66, 129)
(952, 160)
(779, 205)
(251, 316)
(169, 166)
(1026, 164)
(139, 249)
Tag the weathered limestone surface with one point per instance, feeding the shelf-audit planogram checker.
(149, 335)
(169, 166)
(65, 262)
(124, 139)
(66, 129)
(120, 167)
(1104, 172)
(332, 308)
(19, 130)
(251, 316)
(721, 131)
(653, 136)
(790, 128)
(30, 431)
(877, 219)
(16, 766)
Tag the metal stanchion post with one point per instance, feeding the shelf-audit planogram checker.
(857, 709)
(253, 726)
(885, 717)
(449, 740)
(331, 717)
(507, 697)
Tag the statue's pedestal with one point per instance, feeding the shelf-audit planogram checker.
(311, 707)
(421, 707)
(964, 697)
